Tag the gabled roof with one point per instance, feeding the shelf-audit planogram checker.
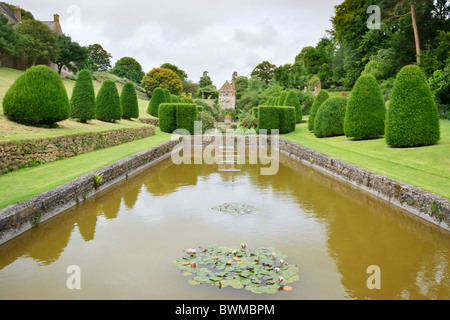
(9, 13)
(227, 87)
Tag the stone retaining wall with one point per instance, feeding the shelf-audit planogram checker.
(22, 216)
(424, 204)
(18, 155)
(153, 122)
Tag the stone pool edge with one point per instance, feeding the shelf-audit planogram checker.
(424, 204)
(23, 216)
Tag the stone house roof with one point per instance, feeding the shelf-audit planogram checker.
(8, 14)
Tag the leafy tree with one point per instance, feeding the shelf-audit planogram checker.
(412, 118)
(37, 97)
(162, 78)
(26, 15)
(205, 80)
(83, 98)
(129, 68)
(366, 111)
(37, 41)
(129, 102)
(98, 58)
(108, 102)
(71, 54)
(241, 84)
(264, 71)
(8, 37)
(189, 87)
(183, 75)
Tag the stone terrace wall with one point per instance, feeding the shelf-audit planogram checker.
(20, 217)
(424, 204)
(18, 155)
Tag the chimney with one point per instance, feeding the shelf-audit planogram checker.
(18, 13)
(234, 83)
(56, 18)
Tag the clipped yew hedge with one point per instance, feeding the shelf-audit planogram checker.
(287, 119)
(329, 121)
(37, 97)
(108, 102)
(173, 116)
(83, 98)
(412, 119)
(293, 101)
(158, 97)
(167, 116)
(366, 110)
(276, 117)
(321, 97)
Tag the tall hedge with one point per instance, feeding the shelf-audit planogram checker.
(108, 102)
(83, 98)
(287, 119)
(129, 102)
(37, 97)
(321, 97)
(186, 115)
(329, 120)
(167, 116)
(158, 97)
(268, 118)
(412, 117)
(293, 101)
(366, 110)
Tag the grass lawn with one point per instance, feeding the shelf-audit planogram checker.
(22, 184)
(424, 167)
(11, 131)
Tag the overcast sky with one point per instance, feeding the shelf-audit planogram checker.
(196, 35)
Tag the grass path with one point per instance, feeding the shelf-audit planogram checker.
(425, 167)
(22, 184)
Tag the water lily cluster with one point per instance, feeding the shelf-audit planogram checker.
(263, 270)
(235, 208)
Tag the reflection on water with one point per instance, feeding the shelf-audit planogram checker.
(125, 238)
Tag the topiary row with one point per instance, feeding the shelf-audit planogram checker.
(160, 96)
(173, 116)
(276, 118)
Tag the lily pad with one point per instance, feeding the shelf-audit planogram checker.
(236, 209)
(263, 270)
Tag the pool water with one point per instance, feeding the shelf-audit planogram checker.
(124, 239)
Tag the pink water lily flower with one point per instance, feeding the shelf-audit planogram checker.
(280, 279)
(191, 251)
(277, 269)
(281, 261)
(244, 245)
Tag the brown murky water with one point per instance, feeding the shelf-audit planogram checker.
(124, 239)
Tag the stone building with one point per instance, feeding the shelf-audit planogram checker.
(227, 96)
(22, 63)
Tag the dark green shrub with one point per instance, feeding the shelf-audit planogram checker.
(83, 98)
(412, 118)
(37, 97)
(168, 96)
(186, 115)
(329, 120)
(366, 111)
(293, 101)
(158, 97)
(108, 102)
(129, 102)
(167, 116)
(268, 118)
(207, 120)
(199, 108)
(321, 98)
(287, 119)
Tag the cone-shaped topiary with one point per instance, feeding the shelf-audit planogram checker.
(281, 98)
(329, 121)
(108, 102)
(322, 96)
(83, 98)
(37, 97)
(293, 101)
(129, 102)
(412, 117)
(366, 111)
(158, 97)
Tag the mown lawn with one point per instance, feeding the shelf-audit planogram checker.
(22, 184)
(424, 167)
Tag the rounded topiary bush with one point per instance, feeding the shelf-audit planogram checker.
(322, 96)
(158, 97)
(329, 120)
(37, 97)
(108, 102)
(129, 102)
(366, 111)
(293, 101)
(83, 98)
(412, 118)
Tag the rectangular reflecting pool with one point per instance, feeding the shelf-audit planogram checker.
(123, 240)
